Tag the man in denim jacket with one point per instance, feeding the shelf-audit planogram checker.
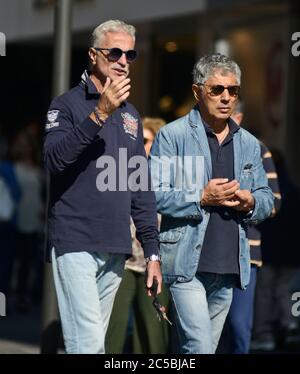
(209, 183)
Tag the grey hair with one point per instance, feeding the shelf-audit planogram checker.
(111, 26)
(208, 65)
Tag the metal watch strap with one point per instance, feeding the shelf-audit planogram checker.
(153, 258)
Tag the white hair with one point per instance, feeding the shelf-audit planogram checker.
(111, 26)
(208, 65)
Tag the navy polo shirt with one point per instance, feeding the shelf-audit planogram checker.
(90, 167)
(220, 248)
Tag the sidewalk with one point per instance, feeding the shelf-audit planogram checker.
(20, 333)
(9, 347)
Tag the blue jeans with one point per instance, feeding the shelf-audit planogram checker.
(86, 285)
(201, 307)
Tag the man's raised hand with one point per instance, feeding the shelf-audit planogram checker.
(112, 96)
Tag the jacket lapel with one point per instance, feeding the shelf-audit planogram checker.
(199, 134)
(238, 154)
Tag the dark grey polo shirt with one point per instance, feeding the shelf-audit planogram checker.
(221, 242)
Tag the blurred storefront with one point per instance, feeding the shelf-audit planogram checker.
(171, 36)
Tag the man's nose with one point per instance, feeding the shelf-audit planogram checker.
(225, 95)
(122, 60)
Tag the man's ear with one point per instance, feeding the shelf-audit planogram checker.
(196, 91)
(92, 54)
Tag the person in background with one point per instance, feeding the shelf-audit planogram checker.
(131, 306)
(30, 221)
(236, 335)
(8, 230)
(92, 132)
(275, 327)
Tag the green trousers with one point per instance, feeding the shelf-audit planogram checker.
(149, 334)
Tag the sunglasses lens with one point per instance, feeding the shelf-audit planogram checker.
(217, 90)
(233, 90)
(131, 55)
(115, 54)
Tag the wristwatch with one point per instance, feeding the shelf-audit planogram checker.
(153, 258)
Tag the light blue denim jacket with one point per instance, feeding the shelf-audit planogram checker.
(184, 221)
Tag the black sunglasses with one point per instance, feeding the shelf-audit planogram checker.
(115, 54)
(146, 141)
(219, 89)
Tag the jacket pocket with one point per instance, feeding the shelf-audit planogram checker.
(171, 236)
(246, 179)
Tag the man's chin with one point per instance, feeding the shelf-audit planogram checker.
(223, 116)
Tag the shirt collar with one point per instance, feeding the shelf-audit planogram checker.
(233, 127)
(88, 83)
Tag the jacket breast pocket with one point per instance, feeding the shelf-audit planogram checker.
(246, 179)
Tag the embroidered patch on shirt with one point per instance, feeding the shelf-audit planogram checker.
(51, 117)
(130, 125)
(50, 125)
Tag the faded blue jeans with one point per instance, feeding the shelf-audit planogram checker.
(86, 285)
(201, 307)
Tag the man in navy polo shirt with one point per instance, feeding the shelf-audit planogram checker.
(203, 243)
(93, 143)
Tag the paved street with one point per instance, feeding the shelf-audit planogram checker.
(20, 333)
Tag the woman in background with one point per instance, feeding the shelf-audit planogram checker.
(134, 326)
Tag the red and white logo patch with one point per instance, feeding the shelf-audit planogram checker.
(130, 125)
